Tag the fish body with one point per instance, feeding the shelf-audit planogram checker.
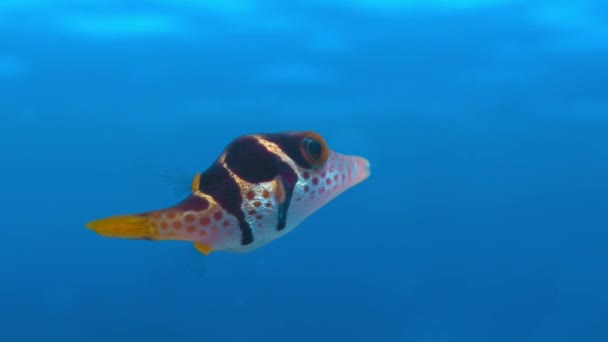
(260, 188)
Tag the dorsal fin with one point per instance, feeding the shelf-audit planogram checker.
(196, 183)
(180, 180)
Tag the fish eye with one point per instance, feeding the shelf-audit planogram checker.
(314, 149)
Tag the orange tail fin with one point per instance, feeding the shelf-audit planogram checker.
(125, 227)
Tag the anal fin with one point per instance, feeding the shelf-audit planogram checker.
(202, 248)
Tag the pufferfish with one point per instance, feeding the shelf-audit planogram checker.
(260, 188)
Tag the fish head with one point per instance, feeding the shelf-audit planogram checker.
(302, 172)
(323, 174)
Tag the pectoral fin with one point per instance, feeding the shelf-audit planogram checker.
(279, 189)
(283, 187)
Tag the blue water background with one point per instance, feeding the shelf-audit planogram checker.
(485, 122)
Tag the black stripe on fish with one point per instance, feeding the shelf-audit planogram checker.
(254, 163)
(251, 161)
(290, 144)
(217, 182)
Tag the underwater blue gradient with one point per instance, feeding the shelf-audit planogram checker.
(485, 122)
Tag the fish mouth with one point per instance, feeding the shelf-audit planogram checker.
(361, 168)
(356, 167)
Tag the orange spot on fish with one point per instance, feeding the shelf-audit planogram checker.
(252, 212)
(189, 218)
(171, 215)
(226, 223)
(177, 224)
(250, 195)
(257, 204)
(218, 215)
(268, 204)
(191, 229)
(204, 221)
(164, 225)
(266, 194)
